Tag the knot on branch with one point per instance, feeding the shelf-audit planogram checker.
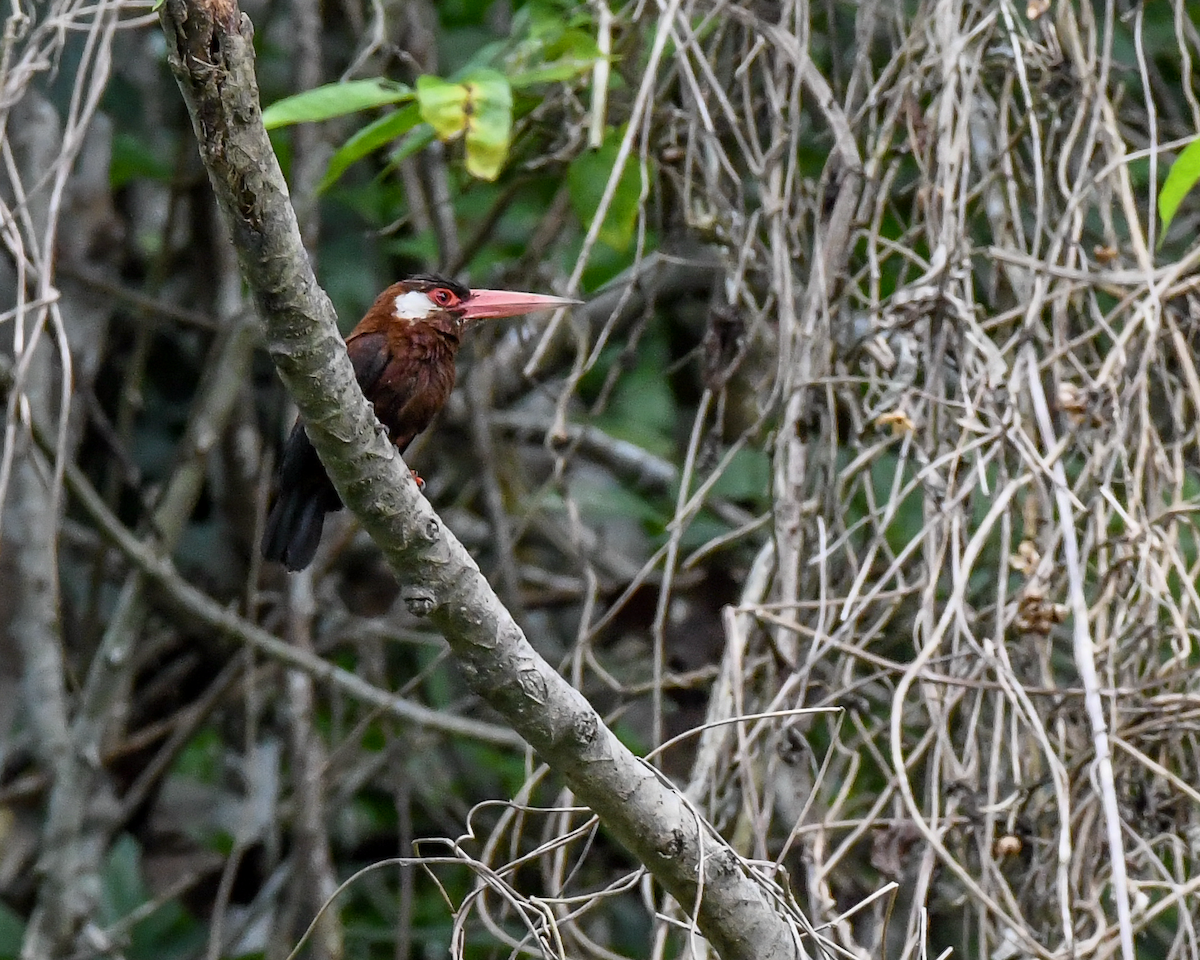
(671, 845)
(419, 601)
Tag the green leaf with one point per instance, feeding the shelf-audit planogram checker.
(334, 100)
(642, 407)
(122, 888)
(134, 159)
(167, 932)
(555, 72)
(1184, 173)
(547, 22)
(422, 247)
(748, 477)
(12, 932)
(480, 106)
(600, 499)
(586, 179)
(554, 54)
(415, 142)
(369, 139)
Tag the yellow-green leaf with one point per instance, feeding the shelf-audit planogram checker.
(489, 126)
(479, 106)
(442, 105)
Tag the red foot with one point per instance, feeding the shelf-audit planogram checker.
(420, 483)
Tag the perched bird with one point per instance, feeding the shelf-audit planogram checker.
(403, 355)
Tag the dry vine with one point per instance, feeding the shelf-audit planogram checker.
(941, 303)
(985, 476)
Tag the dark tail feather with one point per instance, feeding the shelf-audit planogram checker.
(305, 496)
(294, 527)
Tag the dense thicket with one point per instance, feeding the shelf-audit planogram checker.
(884, 401)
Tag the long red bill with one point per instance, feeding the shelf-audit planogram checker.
(490, 304)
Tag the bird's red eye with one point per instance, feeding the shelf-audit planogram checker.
(442, 296)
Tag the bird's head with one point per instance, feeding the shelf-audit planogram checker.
(452, 307)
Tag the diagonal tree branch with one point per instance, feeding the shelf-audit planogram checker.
(210, 50)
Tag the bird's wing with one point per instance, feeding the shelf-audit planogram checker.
(369, 354)
(392, 383)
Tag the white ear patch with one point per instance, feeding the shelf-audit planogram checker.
(414, 305)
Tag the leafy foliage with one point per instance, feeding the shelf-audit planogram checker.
(477, 104)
